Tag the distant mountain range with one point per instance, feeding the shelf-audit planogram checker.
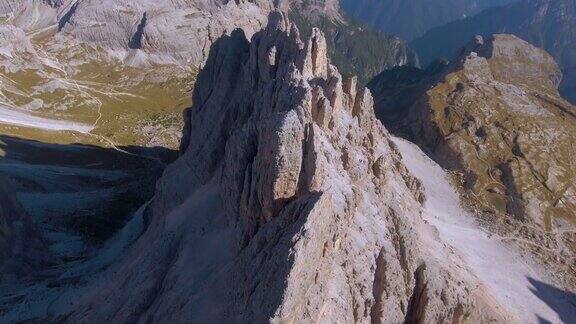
(549, 24)
(412, 18)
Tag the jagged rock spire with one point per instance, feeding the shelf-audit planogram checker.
(297, 90)
(302, 164)
(290, 203)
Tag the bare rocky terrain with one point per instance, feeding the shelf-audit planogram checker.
(119, 72)
(297, 205)
(289, 200)
(495, 114)
(548, 24)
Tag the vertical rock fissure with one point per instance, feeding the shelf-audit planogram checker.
(379, 289)
(136, 41)
(419, 300)
(68, 16)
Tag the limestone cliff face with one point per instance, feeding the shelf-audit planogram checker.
(181, 32)
(496, 114)
(140, 32)
(290, 202)
(166, 31)
(34, 14)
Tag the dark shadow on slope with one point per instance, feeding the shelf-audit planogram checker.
(563, 302)
(419, 300)
(67, 16)
(78, 197)
(136, 41)
(81, 189)
(445, 41)
(395, 91)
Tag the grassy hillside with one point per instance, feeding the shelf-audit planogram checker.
(125, 105)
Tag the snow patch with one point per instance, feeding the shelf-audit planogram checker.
(13, 117)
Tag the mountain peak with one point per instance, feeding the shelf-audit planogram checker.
(515, 60)
(290, 202)
(495, 114)
(547, 24)
(299, 88)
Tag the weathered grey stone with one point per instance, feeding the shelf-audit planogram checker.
(495, 114)
(314, 223)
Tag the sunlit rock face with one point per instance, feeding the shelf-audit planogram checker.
(141, 32)
(34, 14)
(181, 30)
(495, 113)
(289, 202)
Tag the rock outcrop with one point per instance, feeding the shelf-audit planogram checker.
(495, 114)
(548, 24)
(290, 202)
(320, 217)
(181, 32)
(353, 48)
(16, 51)
(140, 32)
(31, 15)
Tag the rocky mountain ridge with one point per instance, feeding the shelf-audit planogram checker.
(548, 24)
(495, 114)
(296, 206)
(289, 202)
(100, 70)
